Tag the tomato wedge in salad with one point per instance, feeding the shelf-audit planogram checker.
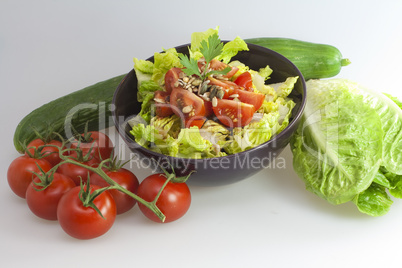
(254, 98)
(171, 77)
(186, 104)
(219, 65)
(233, 113)
(245, 80)
(162, 105)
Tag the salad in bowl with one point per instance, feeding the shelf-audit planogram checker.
(206, 103)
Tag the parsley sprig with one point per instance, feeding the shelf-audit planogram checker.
(209, 49)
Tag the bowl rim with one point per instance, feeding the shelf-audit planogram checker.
(295, 118)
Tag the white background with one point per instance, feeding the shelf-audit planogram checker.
(51, 48)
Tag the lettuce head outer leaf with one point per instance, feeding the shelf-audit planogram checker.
(391, 121)
(374, 201)
(337, 148)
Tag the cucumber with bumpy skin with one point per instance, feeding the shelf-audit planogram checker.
(312, 59)
(89, 105)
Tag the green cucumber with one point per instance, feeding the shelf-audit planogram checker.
(90, 105)
(312, 59)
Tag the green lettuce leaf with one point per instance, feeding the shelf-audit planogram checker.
(374, 201)
(391, 121)
(231, 48)
(163, 62)
(147, 88)
(337, 148)
(253, 134)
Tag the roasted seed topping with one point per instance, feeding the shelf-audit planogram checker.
(214, 102)
(220, 93)
(159, 100)
(187, 109)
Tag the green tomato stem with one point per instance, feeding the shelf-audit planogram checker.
(98, 170)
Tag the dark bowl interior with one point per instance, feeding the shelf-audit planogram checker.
(220, 170)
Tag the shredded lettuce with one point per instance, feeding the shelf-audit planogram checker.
(231, 48)
(163, 62)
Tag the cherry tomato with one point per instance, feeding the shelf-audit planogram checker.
(173, 202)
(163, 107)
(50, 153)
(244, 80)
(254, 98)
(126, 179)
(171, 78)
(20, 173)
(233, 113)
(44, 203)
(84, 222)
(219, 65)
(100, 144)
(77, 173)
(183, 99)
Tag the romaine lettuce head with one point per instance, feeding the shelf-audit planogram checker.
(337, 148)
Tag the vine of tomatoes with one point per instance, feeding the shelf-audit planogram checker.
(80, 184)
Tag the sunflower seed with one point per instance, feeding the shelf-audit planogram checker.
(159, 100)
(234, 96)
(197, 82)
(214, 102)
(187, 109)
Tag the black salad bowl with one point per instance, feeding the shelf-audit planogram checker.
(220, 170)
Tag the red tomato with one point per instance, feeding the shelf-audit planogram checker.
(101, 144)
(50, 153)
(208, 108)
(228, 86)
(195, 121)
(77, 173)
(173, 202)
(244, 80)
(218, 65)
(171, 78)
(233, 113)
(44, 203)
(124, 178)
(19, 174)
(162, 109)
(254, 98)
(84, 222)
(181, 99)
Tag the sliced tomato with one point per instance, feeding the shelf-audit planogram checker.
(208, 108)
(171, 78)
(244, 80)
(233, 113)
(195, 121)
(218, 65)
(162, 107)
(228, 86)
(254, 98)
(186, 104)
